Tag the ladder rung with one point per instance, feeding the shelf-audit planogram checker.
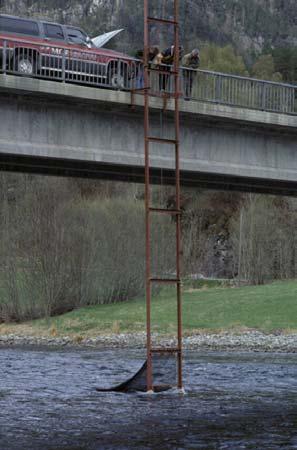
(165, 350)
(162, 140)
(166, 95)
(162, 71)
(166, 280)
(140, 89)
(158, 20)
(165, 211)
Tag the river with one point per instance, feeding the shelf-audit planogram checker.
(233, 401)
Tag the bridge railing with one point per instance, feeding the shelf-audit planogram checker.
(221, 88)
(89, 67)
(245, 92)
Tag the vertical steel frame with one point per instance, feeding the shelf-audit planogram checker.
(149, 210)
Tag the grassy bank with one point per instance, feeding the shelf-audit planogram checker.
(267, 308)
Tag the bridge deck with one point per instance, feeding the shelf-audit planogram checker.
(63, 129)
(86, 95)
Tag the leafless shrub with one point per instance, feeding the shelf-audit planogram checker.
(62, 250)
(263, 238)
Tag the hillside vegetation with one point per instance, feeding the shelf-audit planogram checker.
(252, 27)
(247, 24)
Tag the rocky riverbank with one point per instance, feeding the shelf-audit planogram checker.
(247, 341)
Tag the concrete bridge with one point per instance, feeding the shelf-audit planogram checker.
(56, 128)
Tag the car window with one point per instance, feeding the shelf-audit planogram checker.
(19, 26)
(77, 36)
(53, 31)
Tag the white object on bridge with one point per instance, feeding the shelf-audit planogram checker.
(101, 40)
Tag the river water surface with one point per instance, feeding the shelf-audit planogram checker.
(233, 401)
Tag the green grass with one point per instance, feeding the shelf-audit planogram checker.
(269, 307)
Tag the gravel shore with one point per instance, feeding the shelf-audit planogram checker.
(248, 341)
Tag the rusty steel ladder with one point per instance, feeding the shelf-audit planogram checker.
(149, 210)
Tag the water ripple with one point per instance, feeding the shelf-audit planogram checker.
(233, 401)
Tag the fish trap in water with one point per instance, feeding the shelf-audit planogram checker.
(164, 376)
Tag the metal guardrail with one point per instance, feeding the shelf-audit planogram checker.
(245, 92)
(87, 67)
(215, 87)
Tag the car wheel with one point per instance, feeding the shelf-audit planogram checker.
(25, 65)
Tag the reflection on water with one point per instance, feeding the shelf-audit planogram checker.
(234, 401)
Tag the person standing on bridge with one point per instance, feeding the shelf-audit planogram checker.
(166, 58)
(152, 55)
(191, 62)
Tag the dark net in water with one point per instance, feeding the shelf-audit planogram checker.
(164, 376)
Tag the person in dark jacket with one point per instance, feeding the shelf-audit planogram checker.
(167, 61)
(191, 62)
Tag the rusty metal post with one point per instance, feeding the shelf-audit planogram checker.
(148, 207)
(147, 200)
(177, 180)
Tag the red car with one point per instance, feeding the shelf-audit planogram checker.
(54, 51)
